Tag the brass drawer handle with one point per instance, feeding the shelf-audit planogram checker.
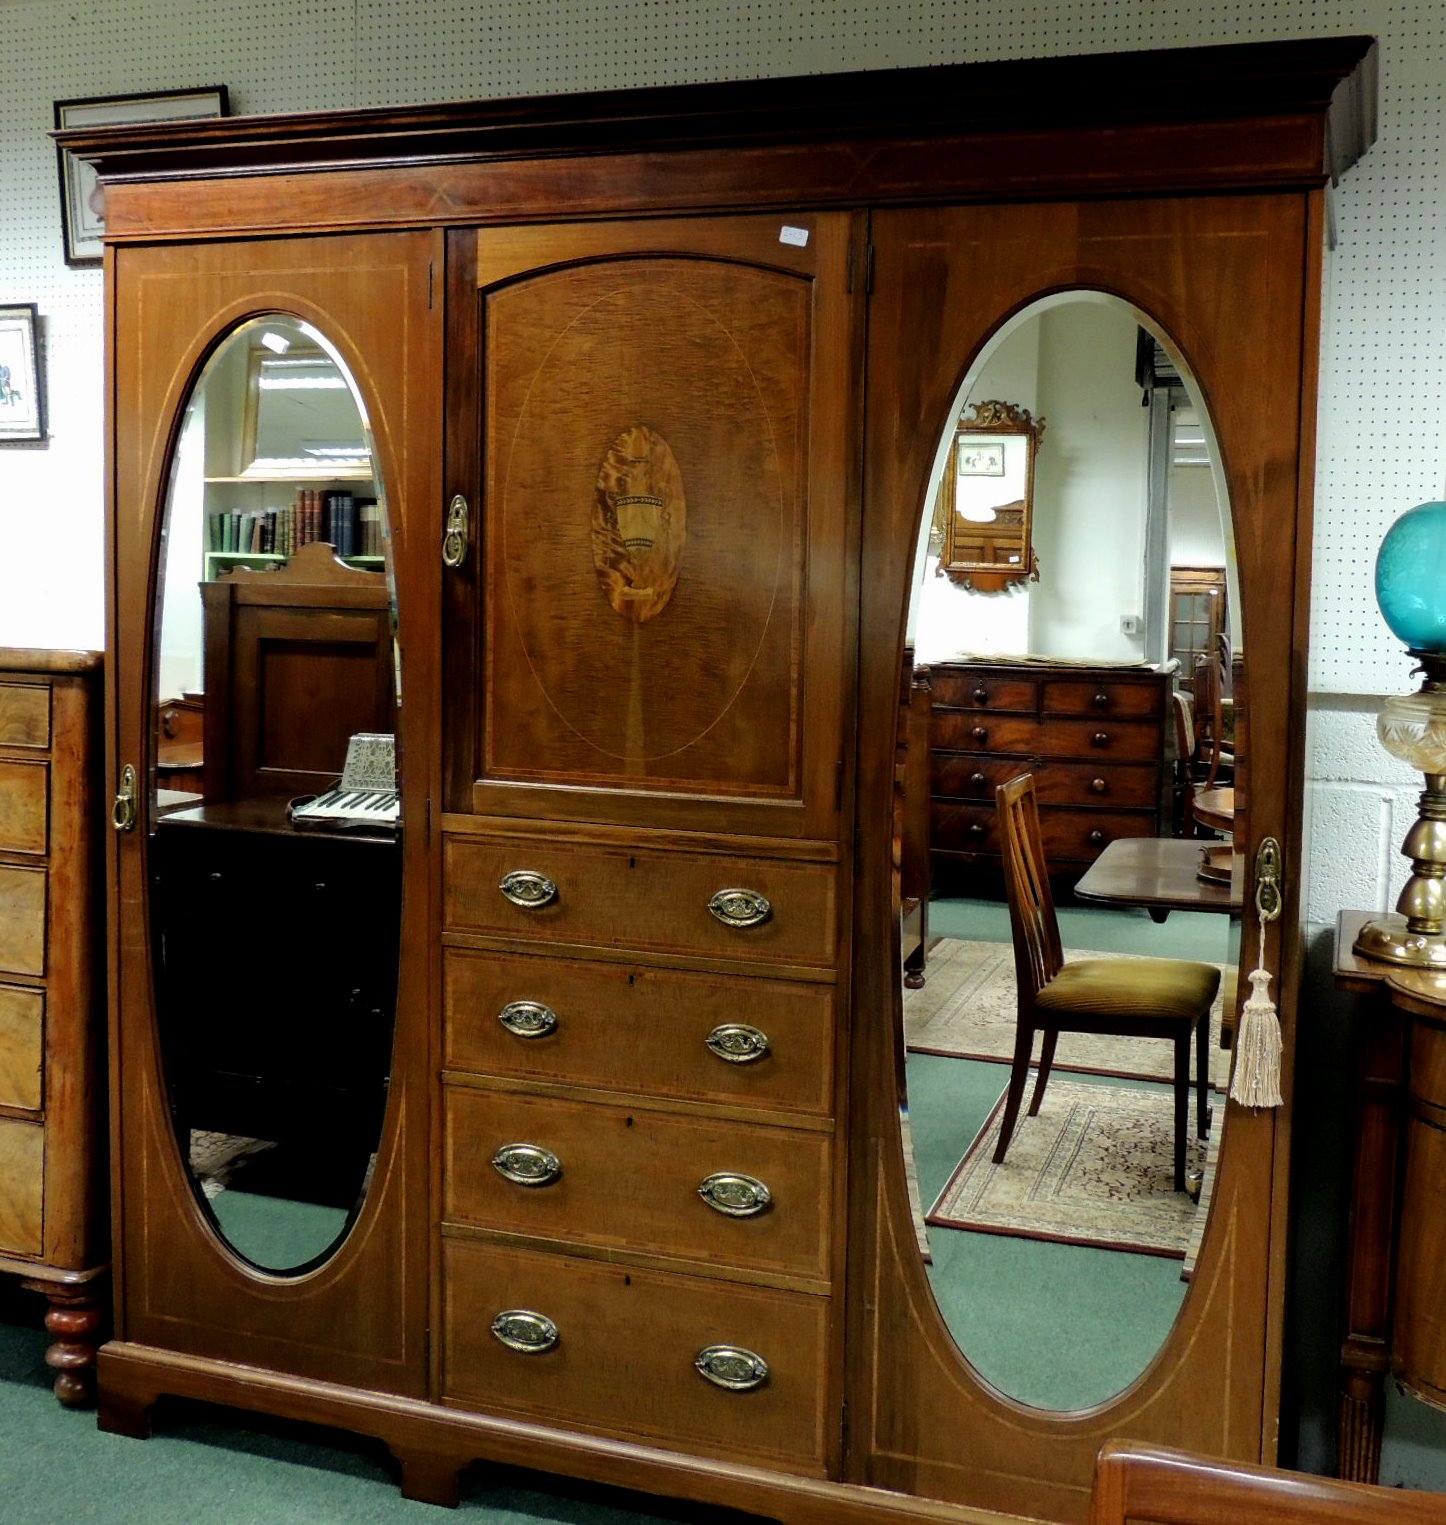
(522, 1330)
(527, 1164)
(731, 1366)
(528, 1019)
(740, 908)
(737, 1043)
(528, 889)
(735, 1196)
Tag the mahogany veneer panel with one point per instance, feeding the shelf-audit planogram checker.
(629, 1180)
(22, 1047)
(22, 920)
(641, 900)
(22, 1187)
(623, 1364)
(24, 715)
(24, 807)
(633, 1028)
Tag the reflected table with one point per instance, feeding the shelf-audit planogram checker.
(1162, 874)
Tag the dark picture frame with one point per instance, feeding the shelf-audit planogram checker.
(81, 220)
(22, 397)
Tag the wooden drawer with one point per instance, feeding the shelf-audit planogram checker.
(1107, 785)
(22, 1047)
(22, 920)
(24, 715)
(971, 689)
(1022, 735)
(22, 1186)
(630, 1028)
(962, 828)
(641, 899)
(1082, 835)
(629, 1178)
(623, 1363)
(1083, 696)
(973, 775)
(24, 806)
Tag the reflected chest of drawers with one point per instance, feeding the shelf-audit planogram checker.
(1094, 738)
(52, 1214)
(638, 1141)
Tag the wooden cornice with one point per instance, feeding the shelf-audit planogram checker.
(1329, 80)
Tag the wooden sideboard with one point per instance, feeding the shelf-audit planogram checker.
(52, 1212)
(1094, 738)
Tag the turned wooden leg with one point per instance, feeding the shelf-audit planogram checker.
(428, 1477)
(73, 1319)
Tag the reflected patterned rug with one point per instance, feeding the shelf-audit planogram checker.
(1095, 1167)
(966, 1011)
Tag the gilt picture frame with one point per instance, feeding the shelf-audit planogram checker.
(22, 395)
(82, 218)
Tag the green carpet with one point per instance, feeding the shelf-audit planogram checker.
(205, 1466)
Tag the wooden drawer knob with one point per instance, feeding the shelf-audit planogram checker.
(1098, 786)
(981, 695)
(1096, 837)
(1102, 699)
(976, 830)
(980, 734)
(978, 780)
(1101, 738)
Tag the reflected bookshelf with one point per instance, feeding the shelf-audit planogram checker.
(259, 532)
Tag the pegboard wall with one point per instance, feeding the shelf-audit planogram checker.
(1383, 402)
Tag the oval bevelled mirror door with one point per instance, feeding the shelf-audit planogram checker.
(274, 848)
(1110, 673)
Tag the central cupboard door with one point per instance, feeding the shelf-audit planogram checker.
(648, 761)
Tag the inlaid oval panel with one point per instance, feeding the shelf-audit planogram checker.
(630, 410)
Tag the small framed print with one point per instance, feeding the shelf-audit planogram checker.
(982, 458)
(81, 216)
(22, 403)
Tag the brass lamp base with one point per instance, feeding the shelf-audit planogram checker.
(1389, 940)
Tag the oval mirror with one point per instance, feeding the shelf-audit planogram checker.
(1060, 1257)
(274, 822)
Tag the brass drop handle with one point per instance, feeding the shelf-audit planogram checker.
(734, 1195)
(524, 1331)
(738, 1043)
(980, 733)
(732, 1367)
(740, 908)
(1098, 786)
(528, 889)
(123, 812)
(528, 1019)
(527, 1165)
(456, 535)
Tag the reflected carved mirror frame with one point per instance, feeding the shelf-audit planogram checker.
(990, 548)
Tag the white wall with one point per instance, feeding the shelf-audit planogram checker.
(1383, 373)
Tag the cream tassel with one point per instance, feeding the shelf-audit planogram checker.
(1256, 1081)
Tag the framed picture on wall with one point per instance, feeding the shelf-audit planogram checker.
(82, 218)
(22, 403)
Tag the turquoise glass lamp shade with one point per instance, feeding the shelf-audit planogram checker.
(1411, 578)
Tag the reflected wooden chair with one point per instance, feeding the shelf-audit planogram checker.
(1135, 1483)
(1122, 997)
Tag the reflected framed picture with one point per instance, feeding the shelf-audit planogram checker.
(22, 402)
(82, 218)
(982, 458)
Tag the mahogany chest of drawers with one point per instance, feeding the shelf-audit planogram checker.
(1094, 738)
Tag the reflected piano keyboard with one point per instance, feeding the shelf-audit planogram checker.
(366, 796)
